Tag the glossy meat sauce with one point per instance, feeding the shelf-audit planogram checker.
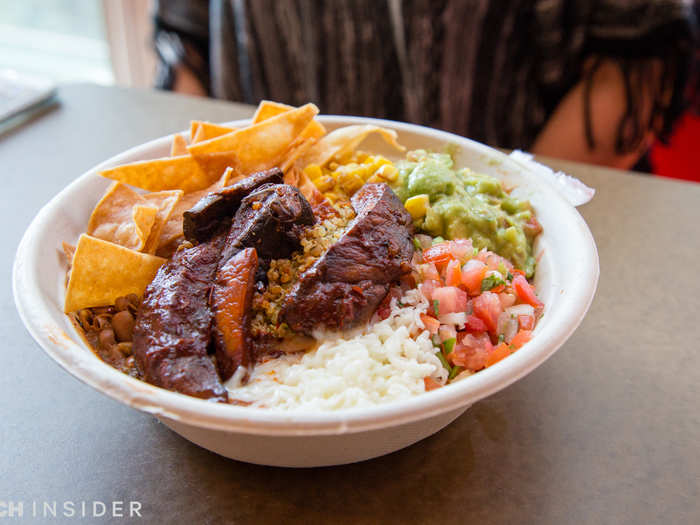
(173, 326)
(200, 301)
(178, 319)
(345, 286)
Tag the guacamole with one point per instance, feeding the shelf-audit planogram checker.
(464, 204)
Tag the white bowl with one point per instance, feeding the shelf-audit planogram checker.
(567, 275)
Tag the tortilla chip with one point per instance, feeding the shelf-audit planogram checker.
(268, 109)
(172, 231)
(230, 176)
(122, 217)
(103, 271)
(263, 145)
(198, 135)
(179, 146)
(343, 141)
(207, 130)
(194, 128)
(295, 153)
(143, 217)
(170, 173)
(215, 164)
(68, 251)
(174, 173)
(165, 202)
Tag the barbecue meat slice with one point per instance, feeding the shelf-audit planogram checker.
(231, 299)
(346, 284)
(173, 325)
(201, 221)
(270, 219)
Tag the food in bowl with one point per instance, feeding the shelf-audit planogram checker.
(277, 265)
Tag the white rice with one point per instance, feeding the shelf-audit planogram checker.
(376, 364)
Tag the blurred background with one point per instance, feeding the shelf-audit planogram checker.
(111, 43)
(102, 41)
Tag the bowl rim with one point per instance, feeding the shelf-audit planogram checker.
(34, 309)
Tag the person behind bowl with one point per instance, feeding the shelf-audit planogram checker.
(591, 81)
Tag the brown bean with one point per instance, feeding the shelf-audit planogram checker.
(123, 325)
(103, 310)
(121, 303)
(124, 348)
(86, 319)
(102, 321)
(134, 303)
(106, 338)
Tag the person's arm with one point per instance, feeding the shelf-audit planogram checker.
(186, 82)
(181, 40)
(564, 134)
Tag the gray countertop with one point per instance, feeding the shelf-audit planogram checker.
(606, 431)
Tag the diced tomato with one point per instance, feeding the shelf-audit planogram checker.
(450, 299)
(472, 274)
(498, 353)
(462, 249)
(487, 307)
(522, 337)
(524, 291)
(431, 324)
(493, 261)
(470, 351)
(498, 289)
(453, 273)
(429, 271)
(526, 322)
(430, 384)
(507, 300)
(438, 254)
(427, 288)
(532, 227)
(474, 324)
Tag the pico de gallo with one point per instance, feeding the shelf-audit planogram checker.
(481, 308)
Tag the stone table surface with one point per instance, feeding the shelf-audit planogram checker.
(606, 431)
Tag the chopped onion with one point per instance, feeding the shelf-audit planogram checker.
(507, 300)
(507, 326)
(520, 309)
(462, 249)
(495, 273)
(447, 331)
(458, 319)
(472, 264)
(426, 241)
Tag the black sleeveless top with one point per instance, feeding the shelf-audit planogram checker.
(492, 70)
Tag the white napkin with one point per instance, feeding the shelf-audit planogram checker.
(572, 189)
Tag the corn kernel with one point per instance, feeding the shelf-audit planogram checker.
(350, 182)
(378, 162)
(324, 183)
(388, 172)
(375, 179)
(418, 206)
(313, 171)
(333, 197)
